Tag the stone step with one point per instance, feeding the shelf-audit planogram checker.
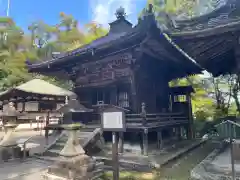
(63, 138)
(57, 151)
(87, 139)
(51, 154)
(57, 147)
(84, 133)
(60, 143)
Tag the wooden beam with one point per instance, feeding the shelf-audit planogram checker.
(219, 49)
(190, 116)
(205, 46)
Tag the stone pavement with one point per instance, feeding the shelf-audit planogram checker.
(217, 165)
(32, 168)
(25, 170)
(222, 162)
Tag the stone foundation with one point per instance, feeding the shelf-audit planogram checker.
(76, 168)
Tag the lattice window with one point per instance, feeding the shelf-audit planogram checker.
(43, 106)
(123, 99)
(180, 98)
(101, 97)
(31, 106)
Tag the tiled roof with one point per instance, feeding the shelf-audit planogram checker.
(224, 16)
(41, 87)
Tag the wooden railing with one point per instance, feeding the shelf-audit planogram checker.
(156, 119)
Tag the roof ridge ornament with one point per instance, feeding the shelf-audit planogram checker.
(120, 13)
(150, 8)
(149, 11)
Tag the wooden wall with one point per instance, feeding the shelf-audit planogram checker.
(152, 86)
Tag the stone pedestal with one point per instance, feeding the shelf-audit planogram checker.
(7, 139)
(73, 163)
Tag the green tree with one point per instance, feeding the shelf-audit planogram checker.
(44, 39)
(68, 31)
(94, 31)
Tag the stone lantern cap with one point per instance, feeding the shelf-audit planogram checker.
(75, 126)
(73, 105)
(68, 127)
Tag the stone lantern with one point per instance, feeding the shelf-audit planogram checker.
(8, 146)
(72, 163)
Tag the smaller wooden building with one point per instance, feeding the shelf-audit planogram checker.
(130, 67)
(35, 98)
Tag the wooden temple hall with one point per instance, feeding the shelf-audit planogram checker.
(131, 67)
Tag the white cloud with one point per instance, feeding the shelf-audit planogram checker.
(103, 11)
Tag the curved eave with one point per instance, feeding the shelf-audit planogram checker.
(138, 32)
(86, 50)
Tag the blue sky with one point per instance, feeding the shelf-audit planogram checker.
(102, 11)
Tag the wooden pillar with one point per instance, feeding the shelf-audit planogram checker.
(46, 126)
(159, 140)
(170, 102)
(182, 131)
(133, 90)
(23, 106)
(190, 116)
(113, 96)
(178, 133)
(145, 142)
(121, 142)
(173, 132)
(188, 131)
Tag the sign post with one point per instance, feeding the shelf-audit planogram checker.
(115, 161)
(113, 120)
